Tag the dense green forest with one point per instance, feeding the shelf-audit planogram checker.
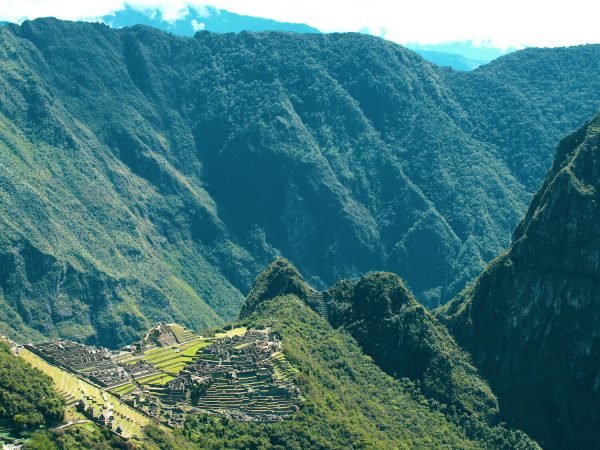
(531, 319)
(27, 398)
(406, 341)
(349, 401)
(150, 177)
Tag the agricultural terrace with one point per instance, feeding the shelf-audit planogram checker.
(125, 419)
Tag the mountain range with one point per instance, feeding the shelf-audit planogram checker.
(528, 324)
(221, 21)
(150, 177)
(207, 18)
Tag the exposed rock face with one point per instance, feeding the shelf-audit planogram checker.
(532, 320)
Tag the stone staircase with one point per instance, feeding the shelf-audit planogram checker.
(319, 304)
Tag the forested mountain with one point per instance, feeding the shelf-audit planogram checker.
(531, 320)
(149, 177)
(349, 401)
(222, 21)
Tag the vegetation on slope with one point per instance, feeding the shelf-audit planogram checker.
(531, 319)
(349, 401)
(77, 437)
(149, 177)
(405, 340)
(27, 398)
(130, 420)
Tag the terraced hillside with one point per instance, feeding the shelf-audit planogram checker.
(172, 371)
(74, 389)
(181, 349)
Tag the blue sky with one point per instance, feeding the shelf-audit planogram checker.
(486, 23)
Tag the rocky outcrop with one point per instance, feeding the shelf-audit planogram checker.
(532, 319)
(279, 278)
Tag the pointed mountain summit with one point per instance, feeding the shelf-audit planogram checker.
(531, 320)
(400, 337)
(406, 341)
(280, 278)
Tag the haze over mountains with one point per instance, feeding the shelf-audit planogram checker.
(208, 19)
(149, 177)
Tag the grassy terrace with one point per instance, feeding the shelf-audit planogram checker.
(131, 421)
(284, 371)
(156, 379)
(124, 389)
(233, 332)
(171, 360)
(182, 334)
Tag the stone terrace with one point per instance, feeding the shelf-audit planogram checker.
(241, 374)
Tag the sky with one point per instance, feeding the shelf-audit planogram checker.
(488, 23)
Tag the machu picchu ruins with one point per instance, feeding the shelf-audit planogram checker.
(239, 373)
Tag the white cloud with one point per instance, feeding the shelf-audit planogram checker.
(198, 26)
(507, 23)
(173, 13)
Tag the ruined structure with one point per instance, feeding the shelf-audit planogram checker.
(242, 376)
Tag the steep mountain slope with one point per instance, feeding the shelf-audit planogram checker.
(349, 402)
(531, 320)
(402, 338)
(30, 408)
(27, 397)
(405, 340)
(148, 177)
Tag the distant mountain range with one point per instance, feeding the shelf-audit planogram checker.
(221, 21)
(459, 56)
(209, 19)
(456, 62)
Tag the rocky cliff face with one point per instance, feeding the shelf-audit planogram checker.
(532, 320)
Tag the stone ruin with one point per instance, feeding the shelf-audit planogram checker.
(243, 377)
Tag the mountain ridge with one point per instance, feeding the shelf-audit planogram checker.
(541, 296)
(176, 168)
(403, 339)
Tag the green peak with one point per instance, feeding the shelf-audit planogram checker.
(280, 278)
(386, 289)
(530, 321)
